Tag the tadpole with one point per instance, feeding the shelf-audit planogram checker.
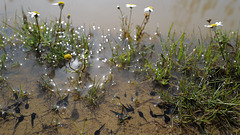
(63, 102)
(33, 116)
(20, 119)
(166, 118)
(97, 132)
(17, 109)
(75, 114)
(26, 106)
(142, 116)
(15, 96)
(125, 94)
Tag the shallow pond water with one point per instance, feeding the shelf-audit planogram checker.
(187, 15)
(128, 101)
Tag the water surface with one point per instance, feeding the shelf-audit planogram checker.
(187, 15)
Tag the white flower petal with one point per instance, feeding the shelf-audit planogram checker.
(148, 9)
(34, 13)
(208, 26)
(55, 4)
(219, 23)
(214, 25)
(130, 5)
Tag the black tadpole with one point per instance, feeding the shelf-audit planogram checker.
(20, 119)
(26, 106)
(151, 113)
(15, 96)
(136, 93)
(17, 109)
(33, 116)
(125, 94)
(154, 115)
(97, 132)
(166, 118)
(63, 102)
(129, 108)
(141, 115)
(116, 113)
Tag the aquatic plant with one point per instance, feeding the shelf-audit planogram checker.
(84, 125)
(49, 42)
(125, 23)
(68, 57)
(206, 97)
(125, 51)
(131, 6)
(140, 29)
(61, 5)
(2, 60)
(162, 68)
(126, 26)
(36, 15)
(205, 107)
(95, 92)
(19, 94)
(68, 21)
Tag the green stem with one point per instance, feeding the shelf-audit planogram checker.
(130, 16)
(60, 20)
(84, 64)
(39, 36)
(145, 23)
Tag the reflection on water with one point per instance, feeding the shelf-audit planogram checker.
(51, 1)
(185, 14)
(185, 11)
(189, 13)
(211, 4)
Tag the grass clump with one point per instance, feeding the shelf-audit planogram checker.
(206, 96)
(51, 41)
(95, 92)
(2, 60)
(206, 108)
(128, 49)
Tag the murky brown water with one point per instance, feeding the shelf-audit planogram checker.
(187, 16)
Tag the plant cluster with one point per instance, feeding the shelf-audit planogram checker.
(51, 41)
(207, 94)
(129, 47)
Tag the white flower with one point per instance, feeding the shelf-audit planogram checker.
(34, 14)
(118, 7)
(60, 4)
(148, 9)
(130, 5)
(214, 25)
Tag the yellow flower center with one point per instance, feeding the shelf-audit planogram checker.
(151, 8)
(68, 57)
(68, 16)
(60, 3)
(36, 12)
(213, 25)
